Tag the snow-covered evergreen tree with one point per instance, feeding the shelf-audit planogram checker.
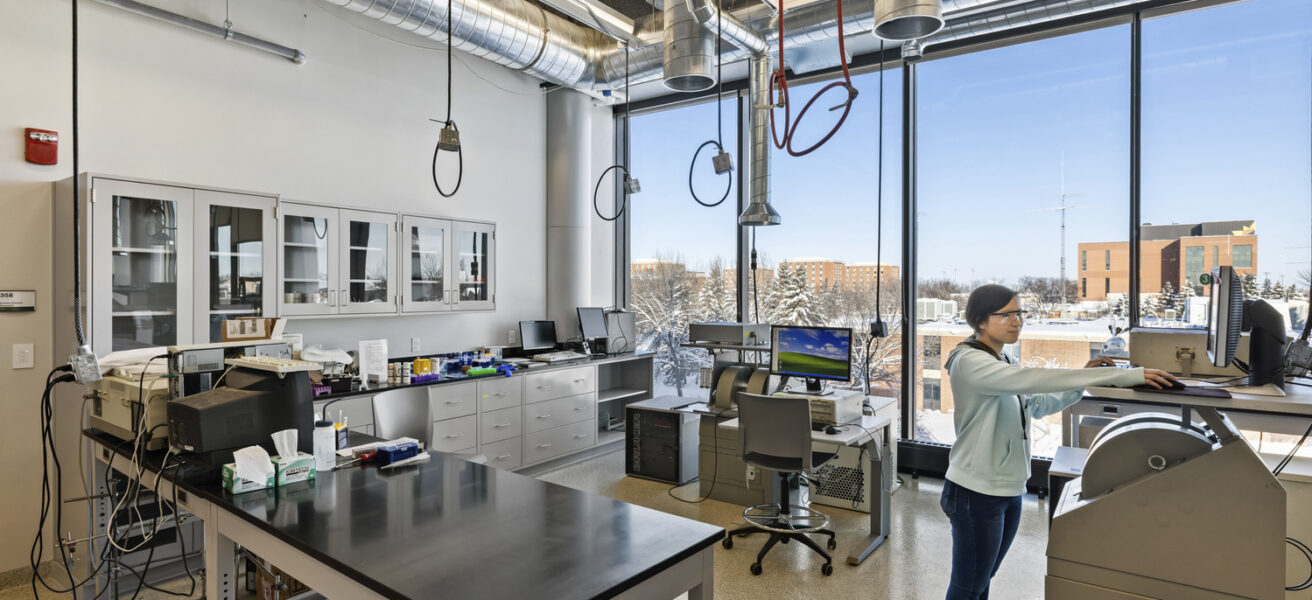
(1169, 299)
(1277, 291)
(791, 300)
(1151, 306)
(1266, 288)
(716, 302)
(1249, 285)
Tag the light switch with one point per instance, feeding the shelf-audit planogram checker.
(414, 344)
(23, 356)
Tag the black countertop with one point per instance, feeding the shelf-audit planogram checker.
(456, 529)
(542, 367)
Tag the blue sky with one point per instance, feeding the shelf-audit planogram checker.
(829, 343)
(1225, 137)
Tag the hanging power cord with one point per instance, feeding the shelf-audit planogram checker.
(877, 328)
(631, 185)
(1307, 553)
(721, 162)
(51, 500)
(77, 230)
(780, 81)
(715, 465)
(449, 138)
(1290, 457)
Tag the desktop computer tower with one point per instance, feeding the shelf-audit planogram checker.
(660, 442)
(845, 481)
(621, 333)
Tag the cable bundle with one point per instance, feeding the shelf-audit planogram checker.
(780, 81)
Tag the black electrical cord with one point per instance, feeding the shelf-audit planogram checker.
(718, 142)
(728, 184)
(1307, 553)
(1285, 462)
(52, 501)
(460, 152)
(77, 222)
(624, 200)
(715, 465)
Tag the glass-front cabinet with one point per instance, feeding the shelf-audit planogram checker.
(235, 261)
(307, 261)
(472, 259)
(447, 265)
(337, 261)
(142, 294)
(368, 262)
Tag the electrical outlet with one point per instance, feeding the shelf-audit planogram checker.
(512, 337)
(751, 473)
(414, 344)
(23, 356)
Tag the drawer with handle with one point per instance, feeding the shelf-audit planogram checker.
(558, 384)
(544, 445)
(455, 434)
(542, 416)
(498, 425)
(505, 454)
(453, 400)
(502, 392)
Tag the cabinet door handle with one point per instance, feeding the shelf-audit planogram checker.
(546, 445)
(498, 425)
(455, 401)
(346, 297)
(503, 457)
(454, 436)
(332, 297)
(547, 416)
(544, 387)
(580, 380)
(579, 408)
(580, 436)
(500, 394)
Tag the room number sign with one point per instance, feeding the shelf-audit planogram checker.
(17, 301)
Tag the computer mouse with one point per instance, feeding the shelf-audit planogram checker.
(1177, 385)
(831, 430)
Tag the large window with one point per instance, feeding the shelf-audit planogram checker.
(1225, 154)
(1019, 149)
(683, 264)
(822, 265)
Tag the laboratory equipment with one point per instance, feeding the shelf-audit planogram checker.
(249, 406)
(815, 353)
(729, 333)
(1169, 508)
(124, 407)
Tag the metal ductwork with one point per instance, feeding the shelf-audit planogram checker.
(1012, 16)
(731, 28)
(689, 50)
(758, 211)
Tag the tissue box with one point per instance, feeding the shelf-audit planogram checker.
(293, 469)
(236, 485)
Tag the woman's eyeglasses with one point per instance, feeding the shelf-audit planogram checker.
(1018, 315)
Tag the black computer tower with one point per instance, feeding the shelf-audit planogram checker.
(661, 442)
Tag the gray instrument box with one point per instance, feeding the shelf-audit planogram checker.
(721, 332)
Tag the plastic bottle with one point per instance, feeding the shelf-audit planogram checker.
(325, 444)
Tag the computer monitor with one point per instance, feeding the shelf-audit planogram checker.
(537, 335)
(815, 353)
(1229, 314)
(592, 322)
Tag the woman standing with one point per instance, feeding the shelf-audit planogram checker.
(995, 400)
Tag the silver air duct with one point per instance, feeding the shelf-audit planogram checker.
(759, 212)
(1012, 16)
(900, 20)
(689, 53)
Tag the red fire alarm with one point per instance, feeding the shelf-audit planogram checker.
(42, 146)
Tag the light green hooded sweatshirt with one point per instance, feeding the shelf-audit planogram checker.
(994, 401)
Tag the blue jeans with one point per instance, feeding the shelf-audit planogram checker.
(983, 528)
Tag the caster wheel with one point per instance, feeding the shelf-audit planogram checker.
(827, 569)
(756, 568)
(832, 544)
(727, 542)
(784, 540)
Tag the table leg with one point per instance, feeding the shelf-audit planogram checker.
(706, 589)
(879, 500)
(220, 562)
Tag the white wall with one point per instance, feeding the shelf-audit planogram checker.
(349, 127)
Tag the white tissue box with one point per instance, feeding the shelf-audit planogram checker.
(236, 485)
(294, 469)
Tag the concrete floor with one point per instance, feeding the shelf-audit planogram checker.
(913, 564)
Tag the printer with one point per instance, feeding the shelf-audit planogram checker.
(250, 405)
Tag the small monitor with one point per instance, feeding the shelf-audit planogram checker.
(811, 352)
(1225, 316)
(592, 322)
(537, 335)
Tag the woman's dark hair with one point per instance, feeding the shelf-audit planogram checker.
(984, 301)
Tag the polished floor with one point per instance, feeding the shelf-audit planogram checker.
(913, 563)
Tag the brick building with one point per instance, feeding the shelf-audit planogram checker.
(1168, 254)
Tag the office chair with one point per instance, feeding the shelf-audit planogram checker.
(775, 435)
(403, 413)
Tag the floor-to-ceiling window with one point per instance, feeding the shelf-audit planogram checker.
(823, 265)
(1226, 137)
(684, 255)
(1022, 166)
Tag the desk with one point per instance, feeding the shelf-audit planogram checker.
(876, 450)
(1287, 415)
(447, 528)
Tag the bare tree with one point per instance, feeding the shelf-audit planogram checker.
(942, 289)
(664, 302)
(1046, 293)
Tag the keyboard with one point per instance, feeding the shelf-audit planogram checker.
(1189, 390)
(281, 366)
(561, 356)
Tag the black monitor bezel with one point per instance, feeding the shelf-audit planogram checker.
(774, 352)
(582, 332)
(1221, 291)
(551, 324)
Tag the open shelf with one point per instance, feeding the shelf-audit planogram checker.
(619, 394)
(605, 437)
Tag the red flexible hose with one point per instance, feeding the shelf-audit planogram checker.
(780, 81)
